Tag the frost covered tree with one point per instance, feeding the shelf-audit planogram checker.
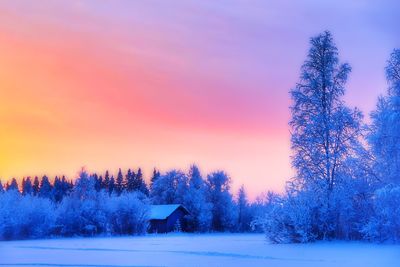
(111, 185)
(384, 140)
(135, 182)
(84, 186)
(25, 216)
(223, 211)
(243, 208)
(58, 190)
(13, 186)
(106, 181)
(119, 183)
(384, 224)
(36, 186)
(154, 177)
(127, 213)
(46, 188)
(80, 212)
(384, 136)
(166, 189)
(27, 188)
(88, 212)
(140, 184)
(195, 200)
(325, 135)
(130, 180)
(98, 181)
(323, 128)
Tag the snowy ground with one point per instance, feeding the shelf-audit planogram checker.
(193, 250)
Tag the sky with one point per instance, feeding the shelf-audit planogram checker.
(109, 84)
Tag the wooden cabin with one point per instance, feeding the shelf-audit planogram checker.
(167, 218)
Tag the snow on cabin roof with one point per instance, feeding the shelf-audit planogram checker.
(161, 212)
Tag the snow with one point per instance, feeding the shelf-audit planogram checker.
(161, 212)
(193, 250)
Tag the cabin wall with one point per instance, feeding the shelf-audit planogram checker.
(158, 226)
(171, 220)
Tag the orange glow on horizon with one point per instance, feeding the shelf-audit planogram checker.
(72, 99)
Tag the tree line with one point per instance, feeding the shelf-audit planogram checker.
(347, 172)
(101, 204)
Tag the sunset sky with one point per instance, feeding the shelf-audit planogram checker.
(107, 84)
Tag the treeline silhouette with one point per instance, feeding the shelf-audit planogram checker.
(61, 186)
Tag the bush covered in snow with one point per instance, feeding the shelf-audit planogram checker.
(384, 225)
(25, 216)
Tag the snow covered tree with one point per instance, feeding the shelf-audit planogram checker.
(154, 177)
(195, 200)
(332, 181)
(25, 216)
(80, 213)
(98, 180)
(385, 127)
(140, 183)
(13, 185)
(84, 186)
(27, 188)
(384, 225)
(60, 189)
(165, 188)
(243, 208)
(119, 183)
(324, 131)
(130, 181)
(36, 186)
(223, 211)
(111, 185)
(106, 181)
(128, 213)
(46, 188)
(323, 128)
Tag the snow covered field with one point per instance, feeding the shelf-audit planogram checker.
(193, 250)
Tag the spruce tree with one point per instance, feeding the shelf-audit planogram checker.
(99, 183)
(154, 177)
(119, 185)
(195, 200)
(27, 188)
(106, 181)
(223, 211)
(244, 218)
(45, 190)
(140, 184)
(58, 190)
(130, 181)
(111, 185)
(36, 186)
(13, 185)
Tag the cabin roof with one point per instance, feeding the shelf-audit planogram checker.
(161, 212)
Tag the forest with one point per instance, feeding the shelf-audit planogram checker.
(94, 204)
